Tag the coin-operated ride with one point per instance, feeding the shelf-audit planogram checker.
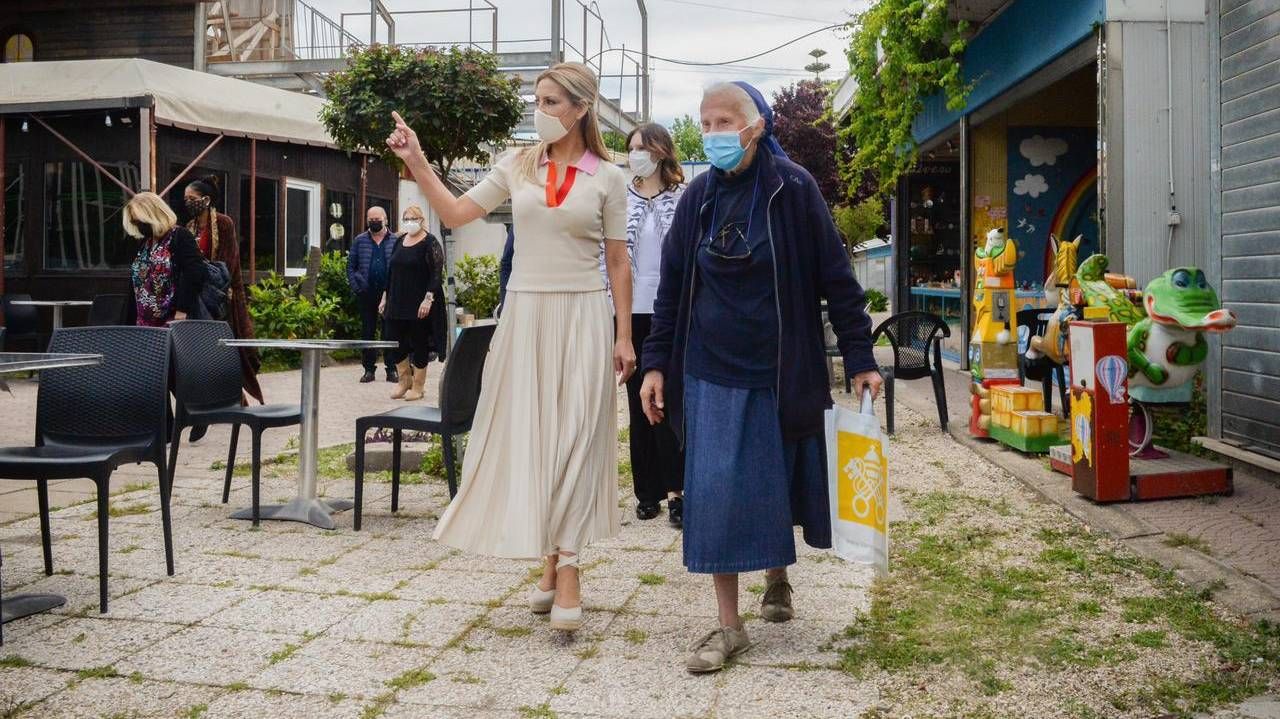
(993, 349)
(1141, 355)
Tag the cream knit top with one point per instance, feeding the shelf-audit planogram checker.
(558, 248)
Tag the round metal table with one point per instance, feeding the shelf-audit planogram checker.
(306, 506)
(57, 305)
(24, 605)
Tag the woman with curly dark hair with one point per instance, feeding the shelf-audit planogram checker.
(216, 237)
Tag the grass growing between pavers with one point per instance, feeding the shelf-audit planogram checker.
(331, 464)
(986, 615)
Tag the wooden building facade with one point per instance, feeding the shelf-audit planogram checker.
(71, 161)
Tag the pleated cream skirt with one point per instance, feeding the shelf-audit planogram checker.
(540, 470)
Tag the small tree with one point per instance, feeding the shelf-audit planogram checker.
(687, 136)
(615, 141)
(801, 125)
(455, 99)
(860, 222)
(817, 67)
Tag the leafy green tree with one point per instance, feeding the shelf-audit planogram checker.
(901, 51)
(860, 222)
(455, 99)
(615, 141)
(687, 136)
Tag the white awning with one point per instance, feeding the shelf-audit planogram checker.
(182, 98)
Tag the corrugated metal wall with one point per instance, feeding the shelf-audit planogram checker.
(1147, 251)
(1249, 43)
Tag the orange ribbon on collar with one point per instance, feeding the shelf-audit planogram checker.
(556, 197)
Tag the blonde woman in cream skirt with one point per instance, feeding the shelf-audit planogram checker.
(539, 479)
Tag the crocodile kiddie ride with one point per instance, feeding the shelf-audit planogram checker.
(1168, 345)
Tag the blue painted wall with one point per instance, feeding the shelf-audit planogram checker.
(1024, 38)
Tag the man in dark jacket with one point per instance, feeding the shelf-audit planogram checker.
(368, 266)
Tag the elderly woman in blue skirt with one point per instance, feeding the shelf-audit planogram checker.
(736, 359)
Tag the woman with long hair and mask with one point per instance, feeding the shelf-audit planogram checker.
(216, 237)
(539, 479)
(657, 463)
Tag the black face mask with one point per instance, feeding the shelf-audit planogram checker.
(195, 207)
(375, 226)
(145, 229)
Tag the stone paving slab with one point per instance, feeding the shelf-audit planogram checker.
(291, 621)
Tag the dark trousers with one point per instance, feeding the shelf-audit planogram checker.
(414, 337)
(371, 323)
(657, 463)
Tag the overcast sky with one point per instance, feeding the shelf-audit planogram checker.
(694, 30)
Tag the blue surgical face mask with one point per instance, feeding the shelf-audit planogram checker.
(724, 149)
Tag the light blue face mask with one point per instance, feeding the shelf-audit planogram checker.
(724, 149)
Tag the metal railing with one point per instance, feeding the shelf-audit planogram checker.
(249, 30)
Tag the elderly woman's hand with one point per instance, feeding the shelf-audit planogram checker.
(651, 399)
(870, 379)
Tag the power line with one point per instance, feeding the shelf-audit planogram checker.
(748, 12)
(725, 62)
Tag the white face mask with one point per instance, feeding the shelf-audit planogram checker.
(411, 226)
(641, 163)
(549, 128)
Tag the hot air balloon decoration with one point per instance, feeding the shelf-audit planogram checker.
(1110, 373)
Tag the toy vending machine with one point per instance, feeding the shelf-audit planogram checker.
(1100, 410)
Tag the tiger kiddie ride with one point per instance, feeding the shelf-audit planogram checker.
(1119, 369)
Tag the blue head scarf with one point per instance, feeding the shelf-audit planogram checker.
(768, 141)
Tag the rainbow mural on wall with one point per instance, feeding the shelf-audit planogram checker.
(1052, 176)
(1078, 207)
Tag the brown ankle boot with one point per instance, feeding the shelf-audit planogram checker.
(404, 370)
(419, 381)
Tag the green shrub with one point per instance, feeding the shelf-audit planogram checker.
(1176, 425)
(478, 283)
(332, 285)
(279, 312)
(861, 222)
(877, 301)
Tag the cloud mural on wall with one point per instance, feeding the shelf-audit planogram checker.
(1032, 185)
(1040, 150)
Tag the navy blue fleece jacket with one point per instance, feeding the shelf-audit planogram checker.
(811, 265)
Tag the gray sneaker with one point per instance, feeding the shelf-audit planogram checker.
(715, 648)
(775, 606)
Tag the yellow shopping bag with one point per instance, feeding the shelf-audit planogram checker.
(858, 485)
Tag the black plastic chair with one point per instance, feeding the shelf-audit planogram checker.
(90, 420)
(1041, 369)
(108, 310)
(22, 322)
(916, 337)
(459, 393)
(207, 388)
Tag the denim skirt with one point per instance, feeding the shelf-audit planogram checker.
(746, 486)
